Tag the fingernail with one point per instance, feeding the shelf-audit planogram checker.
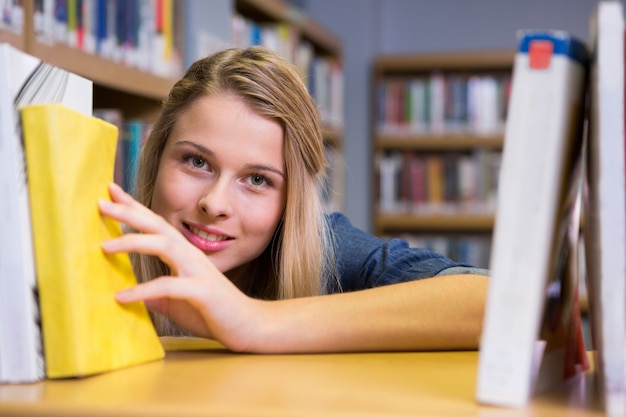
(122, 296)
(115, 186)
(104, 203)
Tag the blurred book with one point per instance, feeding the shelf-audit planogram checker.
(530, 301)
(605, 206)
(24, 79)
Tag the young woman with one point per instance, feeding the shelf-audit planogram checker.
(231, 241)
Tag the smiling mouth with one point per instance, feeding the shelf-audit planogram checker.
(206, 236)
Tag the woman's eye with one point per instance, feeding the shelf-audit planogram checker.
(196, 162)
(257, 180)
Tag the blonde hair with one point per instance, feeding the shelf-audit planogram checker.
(300, 259)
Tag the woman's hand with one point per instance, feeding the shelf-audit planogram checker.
(197, 296)
(441, 313)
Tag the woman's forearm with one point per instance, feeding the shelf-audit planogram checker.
(442, 313)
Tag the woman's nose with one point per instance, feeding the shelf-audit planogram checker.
(216, 200)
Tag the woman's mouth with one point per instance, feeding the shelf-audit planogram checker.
(205, 241)
(206, 235)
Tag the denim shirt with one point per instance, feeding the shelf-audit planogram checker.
(366, 261)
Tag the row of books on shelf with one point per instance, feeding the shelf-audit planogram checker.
(438, 182)
(279, 36)
(137, 33)
(472, 249)
(58, 315)
(442, 103)
(133, 134)
(140, 34)
(322, 74)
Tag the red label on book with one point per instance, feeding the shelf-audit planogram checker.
(540, 53)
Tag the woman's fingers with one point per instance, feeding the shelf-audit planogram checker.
(198, 297)
(152, 244)
(124, 208)
(118, 195)
(158, 237)
(166, 296)
(120, 198)
(203, 307)
(163, 287)
(183, 258)
(135, 215)
(184, 301)
(198, 292)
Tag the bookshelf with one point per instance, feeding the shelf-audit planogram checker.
(314, 50)
(317, 53)
(438, 134)
(136, 91)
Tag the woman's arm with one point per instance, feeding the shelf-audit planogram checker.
(436, 313)
(439, 313)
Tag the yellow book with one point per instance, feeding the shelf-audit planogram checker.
(70, 160)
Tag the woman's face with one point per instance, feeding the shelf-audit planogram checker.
(222, 180)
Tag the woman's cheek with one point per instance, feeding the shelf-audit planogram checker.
(171, 195)
(268, 210)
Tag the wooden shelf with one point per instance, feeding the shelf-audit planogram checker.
(438, 142)
(493, 60)
(104, 71)
(435, 222)
(322, 40)
(14, 39)
(116, 76)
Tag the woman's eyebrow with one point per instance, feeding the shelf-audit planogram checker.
(261, 167)
(199, 147)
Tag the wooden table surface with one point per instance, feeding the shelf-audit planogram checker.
(201, 378)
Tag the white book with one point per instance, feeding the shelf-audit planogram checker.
(24, 80)
(605, 211)
(437, 102)
(389, 167)
(545, 108)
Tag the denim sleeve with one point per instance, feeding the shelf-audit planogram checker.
(366, 261)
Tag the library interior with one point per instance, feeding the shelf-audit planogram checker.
(490, 132)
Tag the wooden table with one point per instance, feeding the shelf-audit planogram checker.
(201, 378)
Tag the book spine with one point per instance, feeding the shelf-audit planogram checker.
(605, 211)
(548, 85)
(21, 354)
(135, 142)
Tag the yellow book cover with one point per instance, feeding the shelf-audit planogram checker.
(70, 160)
